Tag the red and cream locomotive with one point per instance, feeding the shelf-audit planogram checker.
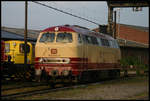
(77, 53)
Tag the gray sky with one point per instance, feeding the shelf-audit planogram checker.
(40, 17)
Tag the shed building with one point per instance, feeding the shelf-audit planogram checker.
(133, 41)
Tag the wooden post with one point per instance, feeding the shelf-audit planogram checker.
(114, 27)
(110, 20)
(126, 72)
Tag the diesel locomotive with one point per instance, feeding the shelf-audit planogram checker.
(75, 53)
(14, 67)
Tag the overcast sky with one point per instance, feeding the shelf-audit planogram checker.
(40, 17)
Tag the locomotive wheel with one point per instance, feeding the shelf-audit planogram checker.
(21, 75)
(75, 80)
(70, 80)
(67, 80)
(28, 74)
(16, 76)
(51, 81)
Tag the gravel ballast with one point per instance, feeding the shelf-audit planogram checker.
(131, 88)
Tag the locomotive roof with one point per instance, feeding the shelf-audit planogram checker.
(78, 29)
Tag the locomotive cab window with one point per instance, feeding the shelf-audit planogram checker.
(7, 47)
(47, 37)
(22, 48)
(64, 37)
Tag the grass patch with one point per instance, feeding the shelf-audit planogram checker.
(129, 80)
(139, 96)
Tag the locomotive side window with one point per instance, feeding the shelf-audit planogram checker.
(116, 44)
(87, 39)
(64, 37)
(79, 38)
(7, 47)
(105, 42)
(111, 44)
(47, 37)
(99, 41)
(94, 40)
(84, 39)
(22, 48)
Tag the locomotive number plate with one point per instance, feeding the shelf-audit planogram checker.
(53, 51)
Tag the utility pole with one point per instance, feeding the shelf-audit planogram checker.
(25, 36)
(118, 21)
(110, 20)
(114, 31)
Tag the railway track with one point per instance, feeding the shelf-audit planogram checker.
(49, 89)
(34, 92)
(24, 86)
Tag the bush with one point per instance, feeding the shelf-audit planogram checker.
(134, 61)
(125, 62)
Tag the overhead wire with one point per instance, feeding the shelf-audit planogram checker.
(83, 14)
(66, 12)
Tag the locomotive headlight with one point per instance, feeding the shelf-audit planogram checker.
(65, 73)
(56, 29)
(41, 60)
(66, 60)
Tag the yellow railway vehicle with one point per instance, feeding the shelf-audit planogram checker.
(14, 64)
(76, 53)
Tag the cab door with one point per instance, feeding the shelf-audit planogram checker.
(20, 54)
